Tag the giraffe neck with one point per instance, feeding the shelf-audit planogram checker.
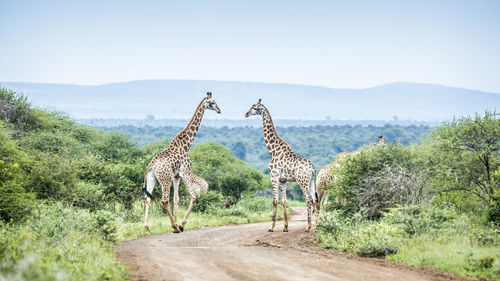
(273, 142)
(185, 139)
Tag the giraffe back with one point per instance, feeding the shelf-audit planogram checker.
(199, 183)
(327, 174)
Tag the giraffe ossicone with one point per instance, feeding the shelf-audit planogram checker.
(285, 166)
(173, 164)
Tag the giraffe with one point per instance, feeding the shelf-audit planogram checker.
(173, 164)
(326, 174)
(285, 166)
(199, 183)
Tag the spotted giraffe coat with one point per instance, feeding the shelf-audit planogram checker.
(285, 166)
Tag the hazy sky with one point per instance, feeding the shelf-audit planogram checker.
(340, 44)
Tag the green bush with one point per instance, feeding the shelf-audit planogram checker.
(418, 219)
(224, 172)
(15, 203)
(59, 243)
(378, 178)
(88, 196)
(422, 235)
(208, 202)
(364, 238)
(50, 176)
(105, 223)
(16, 110)
(466, 159)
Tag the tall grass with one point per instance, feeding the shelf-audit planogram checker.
(437, 237)
(59, 243)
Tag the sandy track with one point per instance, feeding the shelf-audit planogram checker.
(249, 252)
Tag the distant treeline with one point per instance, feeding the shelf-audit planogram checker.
(150, 120)
(319, 143)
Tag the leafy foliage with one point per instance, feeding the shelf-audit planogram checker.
(378, 178)
(59, 243)
(208, 202)
(15, 202)
(224, 172)
(435, 236)
(16, 110)
(468, 156)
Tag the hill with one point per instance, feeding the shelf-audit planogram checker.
(178, 98)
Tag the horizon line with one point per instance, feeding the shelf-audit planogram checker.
(250, 82)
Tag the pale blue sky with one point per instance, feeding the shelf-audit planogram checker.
(339, 44)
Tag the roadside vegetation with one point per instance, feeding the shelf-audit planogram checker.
(433, 204)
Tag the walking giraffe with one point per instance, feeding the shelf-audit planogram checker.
(173, 164)
(327, 175)
(285, 166)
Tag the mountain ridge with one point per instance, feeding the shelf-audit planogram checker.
(168, 98)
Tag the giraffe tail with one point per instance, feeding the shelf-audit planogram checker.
(144, 186)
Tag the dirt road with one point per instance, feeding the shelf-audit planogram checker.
(249, 252)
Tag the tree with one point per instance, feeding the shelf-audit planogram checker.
(239, 150)
(469, 155)
(224, 172)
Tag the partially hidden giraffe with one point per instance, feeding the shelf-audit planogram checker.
(327, 173)
(173, 164)
(199, 183)
(285, 166)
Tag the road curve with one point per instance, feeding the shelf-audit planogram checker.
(249, 252)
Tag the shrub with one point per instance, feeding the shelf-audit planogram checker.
(105, 223)
(59, 243)
(391, 186)
(467, 158)
(376, 179)
(15, 203)
(51, 176)
(418, 219)
(15, 109)
(365, 238)
(224, 172)
(88, 196)
(208, 202)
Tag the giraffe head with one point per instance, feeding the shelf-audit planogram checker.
(210, 103)
(256, 109)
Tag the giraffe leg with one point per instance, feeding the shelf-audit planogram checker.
(304, 185)
(165, 182)
(185, 175)
(150, 185)
(283, 201)
(176, 197)
(320, 196)
(276, 183)
(309, 214)
(325, 201)
(184, 221)
(146, 208)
